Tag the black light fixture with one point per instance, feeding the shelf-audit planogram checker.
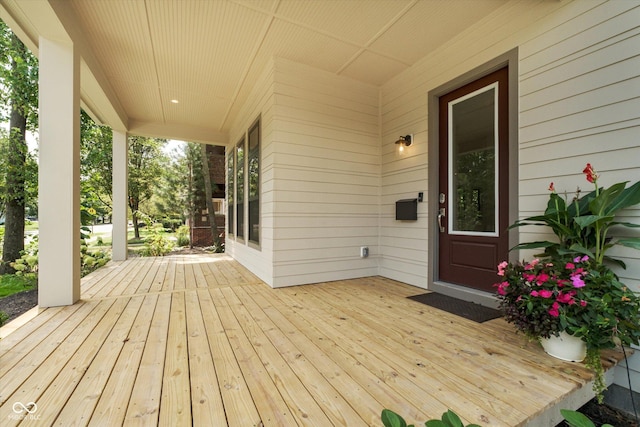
(404, 141)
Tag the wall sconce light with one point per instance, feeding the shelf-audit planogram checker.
(404, 141)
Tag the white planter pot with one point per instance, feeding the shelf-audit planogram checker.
(565, 347)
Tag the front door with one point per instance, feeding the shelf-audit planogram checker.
(473, 202)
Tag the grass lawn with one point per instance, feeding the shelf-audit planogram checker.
(11, 284)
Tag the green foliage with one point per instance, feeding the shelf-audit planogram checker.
(449, 419)
(18, 77)
(11, 284)
(27, 264)
(391, 419)
(218, 248)
(91, 260)
(146, 163)
(576, 419)
(182, 235)
(156, 243)
(18, 106)
(609, 312)
(583, 226)
(96, 165)
(170, 197)
(3, 317)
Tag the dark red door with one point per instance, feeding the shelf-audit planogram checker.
(473, 202)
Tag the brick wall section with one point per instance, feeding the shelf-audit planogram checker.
(201, 235)
(200, 231)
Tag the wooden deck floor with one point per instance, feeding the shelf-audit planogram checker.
(198, 340)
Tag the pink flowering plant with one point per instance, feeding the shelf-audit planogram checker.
(544, 297)
(541, 297)
(570, 286)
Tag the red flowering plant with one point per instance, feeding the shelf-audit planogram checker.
(570, 285)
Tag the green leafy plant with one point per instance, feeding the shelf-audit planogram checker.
(570, 287)
(583, 225)
(544, 297)
(91, 260)
(576, 419)
(3, 318)
(156, 243)
(182, 235)
(27, 265)
(449, 419)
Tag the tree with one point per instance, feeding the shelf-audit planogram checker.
(194, 180)
(170, 198)
(96, 165)
(19, 91)
(146, 161)
(208, 193)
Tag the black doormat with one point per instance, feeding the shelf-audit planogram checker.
(466, 309)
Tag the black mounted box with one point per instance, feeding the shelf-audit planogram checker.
(407, 210)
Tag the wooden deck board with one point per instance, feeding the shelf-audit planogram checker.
(199, 340)
(110, 411)
(239, 405)
(280, 329)
(175, 409)
(63, 368)
(256, 363)
(206, 399)
(144, 402)
(80, 405)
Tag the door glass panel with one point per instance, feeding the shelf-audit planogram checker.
(473, 158)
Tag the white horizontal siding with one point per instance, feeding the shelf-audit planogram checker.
(326, 191)
(259, 104)
(331, 173)
(580, 103)
(404, 109)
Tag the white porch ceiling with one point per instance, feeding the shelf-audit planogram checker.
(138, 55)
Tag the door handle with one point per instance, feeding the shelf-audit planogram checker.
(441, 214)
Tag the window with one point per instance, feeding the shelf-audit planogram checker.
(253, 157)
(240, 188)
(243, 192)
(230, 193)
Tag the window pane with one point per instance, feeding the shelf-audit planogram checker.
(230, 193)
(240, 188)
(254, 183)
(473, 159)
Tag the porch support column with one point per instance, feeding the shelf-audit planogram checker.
(120, 196)
(59, 174)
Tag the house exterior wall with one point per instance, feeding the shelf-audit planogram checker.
(330, 170)
(320, 177)
(327, 167)
(260, 104)
(578, 84)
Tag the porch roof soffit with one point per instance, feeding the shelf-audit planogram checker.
(140, 55)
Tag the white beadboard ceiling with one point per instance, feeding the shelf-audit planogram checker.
(138, 55)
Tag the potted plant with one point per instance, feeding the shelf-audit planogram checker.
(570, 287)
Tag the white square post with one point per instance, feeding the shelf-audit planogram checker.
(59, 174)
(120, 196)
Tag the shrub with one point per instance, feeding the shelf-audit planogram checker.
(182, 234)
(3, 317)
(156, 244)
